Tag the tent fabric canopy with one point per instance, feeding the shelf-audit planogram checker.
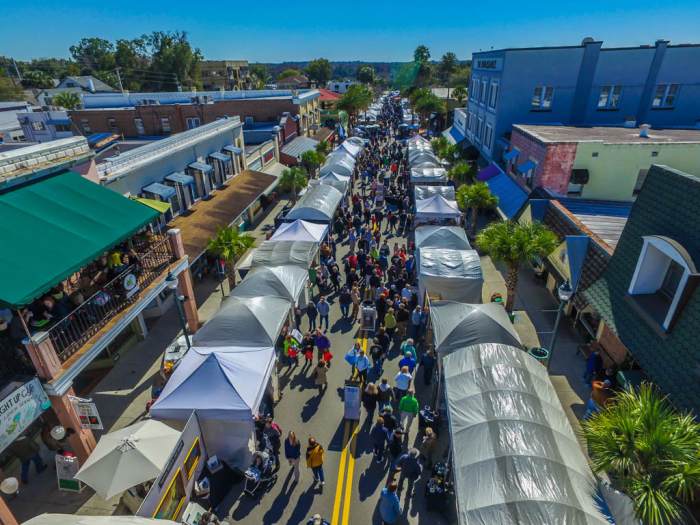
(319, 203)
(244, 321)
(78, 519)
(278, 281)
(450, 237)
(516, 459)
(453, 275)
(437, 207)
(282, 253)
(300, 231)
(458, 325)
(352, 149)
(222, 383)
(428, 174)
(159, 206)
(53, 227)
(338, 181)
(424, 192)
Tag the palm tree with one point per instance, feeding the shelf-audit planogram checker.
(311, 160)
(477, 197)
(514, 244)
(323, 147)
(230, 244)
(461, 171)
(66, 99)
(650, 451)
(292, 180)
(460, 94)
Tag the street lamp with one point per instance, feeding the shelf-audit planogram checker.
(171, 283)
(565, 293)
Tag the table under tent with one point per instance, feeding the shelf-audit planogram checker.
(437, 210)
(300, 231)
(515, 458)
(449, 274)
(318, 204)
(450, 237)
(424, 192)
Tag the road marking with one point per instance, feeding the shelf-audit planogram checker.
(341, 476)
(351, 471)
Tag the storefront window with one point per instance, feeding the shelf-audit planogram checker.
(171, 504)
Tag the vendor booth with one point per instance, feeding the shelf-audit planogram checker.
(458, 325)
(422, 158)
(428, 174)
(437, 210)
(515, 457)
(79, 519)
(450, 237)
(338, 181)
(425, 192)
(339, 162)
(288, 282)
(226, 386)
(318, 204)
(279, 253)
(300, 231)
(350, 148)
(453, 275)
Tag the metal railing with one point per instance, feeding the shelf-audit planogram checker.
(70, 333)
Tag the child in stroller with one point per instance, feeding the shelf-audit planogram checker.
(260, 474)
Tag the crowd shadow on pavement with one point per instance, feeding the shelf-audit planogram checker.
(310, 407)
(371, 479)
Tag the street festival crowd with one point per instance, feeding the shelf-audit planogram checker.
(380, 271)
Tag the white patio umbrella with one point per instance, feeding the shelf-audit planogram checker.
(72, 519)
(127, 457)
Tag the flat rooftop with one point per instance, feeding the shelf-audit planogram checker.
(608, 135)
(606, 219)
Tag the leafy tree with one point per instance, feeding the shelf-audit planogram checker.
(292, 180)
(259, 74)
(366, 74)
(287, 73)
(230, 244)
(37, 79)
(8, 89)
(460, 94)
(514, 243)
(461, 172)
(461, 77)
(323, 147)
(312, 160)
(357, 98)
(476, 197)
(650, 451)
(172, 54)
(66, 99)
(93, 54)
(421, 55)
(428, 104)
(448, 66)
(319, 70)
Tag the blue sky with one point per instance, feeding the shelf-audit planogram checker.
(357, 30)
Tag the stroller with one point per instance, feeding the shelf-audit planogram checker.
(260, 475)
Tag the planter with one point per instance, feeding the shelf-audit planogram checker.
(539, 353)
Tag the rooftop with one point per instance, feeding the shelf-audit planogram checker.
(609, 135)
(582, 44)
(328, 95)
(605, 219)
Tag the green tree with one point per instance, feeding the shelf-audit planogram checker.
(428, 104)
(476, 197)
(93, 54)
(287, 73)
(292, 180)
(366, 74)
(230, 244)
(650, 451)
(320, 70)
(461, 172)
(259, 75)
(514, 243)
(448, 66)
(460, 94)
(8, 89)
(421, 55)
(357, 98)
(172, 55)
(66, 99)
(323, 147)
(312, 160)
(37, 79)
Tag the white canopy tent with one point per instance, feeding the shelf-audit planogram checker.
(458, 325)
(288, 282)
(318, 204)
(453, 275)
(79, 519)
(436, 208)
(428, 173)
(357, 141)
(451, 237)
(225, 386)
(339, 162)
(420, 157)
(350, 148)
(338, 181)
(516, 459)
(280, 253)
(300, 231)
(424, 192)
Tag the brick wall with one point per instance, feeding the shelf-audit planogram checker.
(289, 130)
(554, 161)
(530, 149)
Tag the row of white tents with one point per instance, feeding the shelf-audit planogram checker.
(424, 165)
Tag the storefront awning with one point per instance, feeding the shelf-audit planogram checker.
(511, 155)
(159, 206)
(511, 197)
(488, 172)
(51, 228)
(180, 178)
(526, 166)
(220, 156)
(163, 191)
(201, 166)
(59, 122)
(453, 135)
(233, 149)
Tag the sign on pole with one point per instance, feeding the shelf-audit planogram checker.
(87, 413)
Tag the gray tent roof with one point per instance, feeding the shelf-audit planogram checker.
(436, 207)
(277, 281)
(516, 458)
(453, 275)
(428, 172)
(244, 321)
(458, 325)
(423, 192)
(451, 237)
(282, 253)
(338, 163)
(317, 204)
(338, 181)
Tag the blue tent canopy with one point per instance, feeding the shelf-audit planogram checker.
(510, 155)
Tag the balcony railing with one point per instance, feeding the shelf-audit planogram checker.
(73, 331)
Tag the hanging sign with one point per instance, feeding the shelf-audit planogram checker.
(87, 413)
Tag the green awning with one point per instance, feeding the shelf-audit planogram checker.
(159, 206)
(52, 227)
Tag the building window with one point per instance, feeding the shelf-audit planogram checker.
(85, 125)
(112, 125)
(665, 96)
(484, 89)
(493, 95)
(660, 279)
(479, 129)
(165, 124)
(542, 98)
(609, 97)
(474, 89)
(140, 130)
(192, 122)
(62, 127)
(488, 136)
(37, 125)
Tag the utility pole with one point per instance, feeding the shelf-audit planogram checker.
(119, 79)
(19, 75)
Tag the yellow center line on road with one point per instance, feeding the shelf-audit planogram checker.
(351, 471)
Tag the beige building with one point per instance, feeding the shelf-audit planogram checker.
(226, 74)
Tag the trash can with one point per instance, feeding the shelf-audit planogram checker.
(539, 353)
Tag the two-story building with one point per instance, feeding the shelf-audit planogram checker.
(43, 126)
(224, 74)
(584, 85)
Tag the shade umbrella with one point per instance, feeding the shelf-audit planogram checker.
(77, 519)
(127, 457)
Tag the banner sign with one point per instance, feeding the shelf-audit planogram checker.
(66, 469)
(19, 410)
(87, 413)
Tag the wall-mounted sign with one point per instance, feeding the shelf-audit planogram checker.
(488, 64)
(87, 413)
(130, 284)
(19, 409)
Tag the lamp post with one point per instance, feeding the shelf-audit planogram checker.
(565, 293)
(171, 281)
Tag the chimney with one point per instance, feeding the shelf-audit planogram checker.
(644, 131)
(91, 85)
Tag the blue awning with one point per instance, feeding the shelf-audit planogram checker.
(233, 149)
(511, 155)
(453, 135)
(526, 166)
(201, 166)
(180, 178)
(161, 190)
(511, 197)
(59, 122)
(220, 156)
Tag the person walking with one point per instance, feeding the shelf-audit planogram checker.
(416, 322)
(356, 301)
(27, 451)
(323, 344)
(408, 409)
(362, 365)
(315, 455)
(345, 300)
(427, 362)
(312, 313)
(395, 446)
(377, 353)
(390, 323)
(324, 309)
(389, 505)
(378, 436)
(410, 468)
(273, 436)
(292, 452)
(385, 394)
(370, 398)
(408, 362)
(428, 447)
(321, 376)
(409, 346)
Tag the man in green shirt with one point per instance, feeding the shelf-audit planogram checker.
(408, 408)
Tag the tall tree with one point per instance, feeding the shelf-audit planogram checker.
(514, 244)
(172, 54)
(366, 74)
(320, 70)
(230, 244)
(312, 160)
(421, 55)
(93, 54)
(460, 94)
(287, 73)
(259, 74)
(37, 79)
(476, 197)
(357, 98)
(448, 65)
(8, 89)
(292, 180)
